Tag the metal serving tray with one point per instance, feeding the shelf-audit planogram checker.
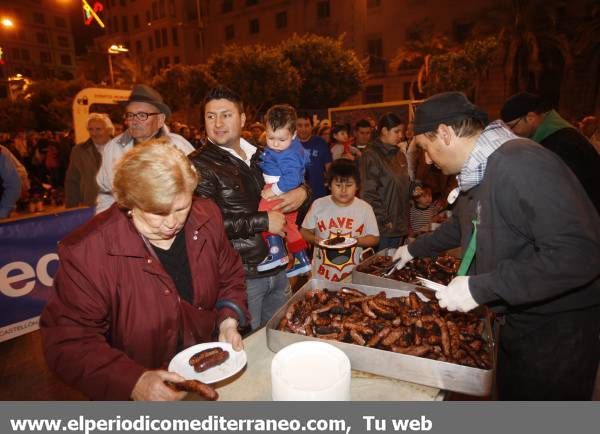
(361, 278)
(386, 282)
(443, 375)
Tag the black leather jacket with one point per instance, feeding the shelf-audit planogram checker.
(235, 188)
(385, 186)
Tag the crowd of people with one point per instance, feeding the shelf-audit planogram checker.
(53, 171)
(193, 228)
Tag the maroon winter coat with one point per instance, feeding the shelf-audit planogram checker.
(115, 312)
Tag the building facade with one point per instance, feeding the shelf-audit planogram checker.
(160, 33)
(36, 40)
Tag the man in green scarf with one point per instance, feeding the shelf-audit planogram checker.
(527, 115)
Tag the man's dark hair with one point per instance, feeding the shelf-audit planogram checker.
(223, 92)
(304, 115)
(363, 123)
(281, 116)
(462, 127)
(389, 121)
(343, 169)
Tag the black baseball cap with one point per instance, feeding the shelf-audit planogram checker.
(519, 105)
(443, 108)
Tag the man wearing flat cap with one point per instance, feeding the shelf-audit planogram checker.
(145, 115)
(527, 115)
(530, 238)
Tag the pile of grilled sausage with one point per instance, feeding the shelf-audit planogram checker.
(440, 269)
(406, 325)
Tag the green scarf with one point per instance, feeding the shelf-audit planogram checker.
(552, 122)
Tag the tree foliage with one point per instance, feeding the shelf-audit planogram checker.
(442, 66)
(330, 73)
(261, 75)
(15, 116)
(304, 71)
(462, 68)
(51, 102)
(182, 86)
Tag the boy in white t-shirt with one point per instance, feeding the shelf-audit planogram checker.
(340, 213)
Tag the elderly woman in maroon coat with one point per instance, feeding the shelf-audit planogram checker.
(150, 276)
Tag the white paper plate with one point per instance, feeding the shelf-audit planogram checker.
(181, 363)
(348, 242)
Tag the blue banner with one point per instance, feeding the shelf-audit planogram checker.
(28, 263)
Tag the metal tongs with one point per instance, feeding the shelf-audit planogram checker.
(391, 269)
(430, 284)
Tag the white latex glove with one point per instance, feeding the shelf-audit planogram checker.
(402, 254)
(457, 296)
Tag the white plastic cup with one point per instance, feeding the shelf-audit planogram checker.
(310, 371)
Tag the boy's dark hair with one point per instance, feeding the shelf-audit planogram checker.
(343, 169)
(304, 115)
(363, 123)
(281, 116)
(223, 92)
(414, 185)
(337, 128)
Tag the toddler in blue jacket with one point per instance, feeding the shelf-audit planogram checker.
(283, 162)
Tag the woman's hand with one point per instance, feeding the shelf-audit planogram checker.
(228, 332)
(292, 200)
(151, 387)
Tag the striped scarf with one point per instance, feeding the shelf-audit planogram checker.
(492, 137)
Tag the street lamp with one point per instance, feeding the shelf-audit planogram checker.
(114, 49)
(7, 23)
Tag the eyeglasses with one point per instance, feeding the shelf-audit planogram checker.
(513, 124)
(142, 116)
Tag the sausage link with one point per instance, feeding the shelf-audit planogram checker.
(195, 386)
(198, 357)
(212, 361)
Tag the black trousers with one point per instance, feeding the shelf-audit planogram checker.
(549, 357)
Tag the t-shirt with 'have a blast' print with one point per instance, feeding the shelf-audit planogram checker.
(327, 219)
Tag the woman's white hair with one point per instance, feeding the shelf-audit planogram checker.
(103, 117)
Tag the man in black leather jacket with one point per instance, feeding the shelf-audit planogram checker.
(230, 175)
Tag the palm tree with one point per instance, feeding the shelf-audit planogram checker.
(536, 50)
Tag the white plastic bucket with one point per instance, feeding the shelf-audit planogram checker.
(310, 371)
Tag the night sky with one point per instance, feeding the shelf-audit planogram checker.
(83, 35)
